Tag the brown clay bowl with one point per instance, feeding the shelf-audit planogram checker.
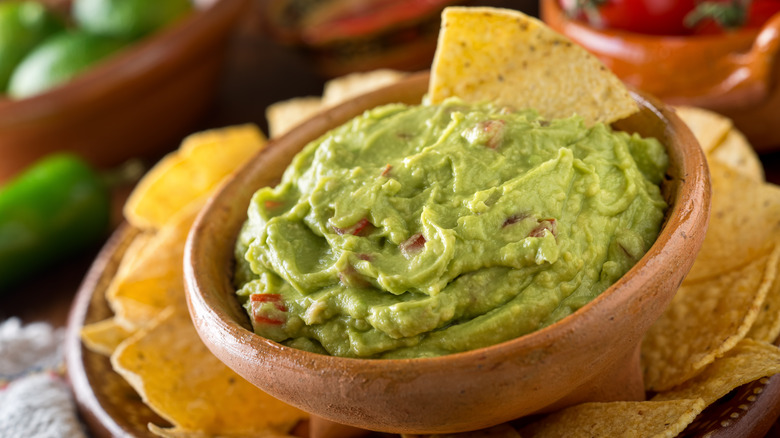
(734, 73)
(138, 103)
(592, 355)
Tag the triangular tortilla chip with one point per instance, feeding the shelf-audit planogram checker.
(179, 378)
(511, 59)
(704, 321)
(656, 419)
(202, 161)
(104, 336)
(748, 361)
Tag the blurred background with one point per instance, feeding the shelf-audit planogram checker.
(139, 92)
(166, 73)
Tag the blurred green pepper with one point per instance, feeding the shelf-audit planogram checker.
(57, 207)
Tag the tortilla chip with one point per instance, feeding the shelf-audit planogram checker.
(709, 128)
(766, 328)
(201, 162)
(748, 361)
(103, 337)
(735, 152)
(179, 378)
(343, 88)
(154, 281)
(132, 254)
(618, 419)
(704, 321)
(287, 114)
(511, 59)
(744, 223)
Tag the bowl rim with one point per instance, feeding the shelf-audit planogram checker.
(159, 52)
(199, 297)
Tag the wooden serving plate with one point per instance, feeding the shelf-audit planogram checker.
(107, 403)
(111, 408)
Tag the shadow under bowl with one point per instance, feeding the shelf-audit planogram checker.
(591, 355)
(138, 103)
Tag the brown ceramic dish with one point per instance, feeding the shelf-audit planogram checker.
(589, 356)
(138, 103)
(734, 73)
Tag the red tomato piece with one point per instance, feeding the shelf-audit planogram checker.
(412, 245)
(657, 17)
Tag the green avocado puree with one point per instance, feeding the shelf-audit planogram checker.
(416, 231)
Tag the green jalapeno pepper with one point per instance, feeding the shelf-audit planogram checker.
(55, 208)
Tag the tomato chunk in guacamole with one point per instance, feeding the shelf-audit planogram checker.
(416, 231)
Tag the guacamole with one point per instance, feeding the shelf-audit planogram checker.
(416, 231)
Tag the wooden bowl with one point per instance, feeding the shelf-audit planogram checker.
(139, 103)
(592, 355)
(734, 73)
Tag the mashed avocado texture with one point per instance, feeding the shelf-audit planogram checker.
(416, 231)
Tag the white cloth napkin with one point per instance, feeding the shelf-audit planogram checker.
(35, 400)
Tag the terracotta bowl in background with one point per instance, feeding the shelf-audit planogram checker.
(592, 355)
(733, 73)
(136, 104)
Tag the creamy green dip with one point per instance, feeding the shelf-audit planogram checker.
(416, 231)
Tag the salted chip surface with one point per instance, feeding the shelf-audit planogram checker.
(645, 419)
(736, 152)
(766, 328)
(704, 321)
(179, 378)
(744, 222)
(748, 361)
(511, 59)
(202, 161)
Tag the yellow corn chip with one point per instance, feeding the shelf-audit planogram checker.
(735, 152)
(285, 115)
(705, 320)
(200, 163)
(511, 59)
(743, 223)
(179, 378)
(709, 128)
(154, 281)
(656, 419)
(766, 328)
(104, 336)
(749, 360)
(343, 88)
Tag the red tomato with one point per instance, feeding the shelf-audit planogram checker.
(758, 13)
(659, 17)
(761, 11)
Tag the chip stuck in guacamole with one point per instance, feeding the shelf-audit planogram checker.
(416, 231)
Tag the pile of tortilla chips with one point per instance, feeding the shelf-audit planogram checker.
(151, 340)
(715, 336)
